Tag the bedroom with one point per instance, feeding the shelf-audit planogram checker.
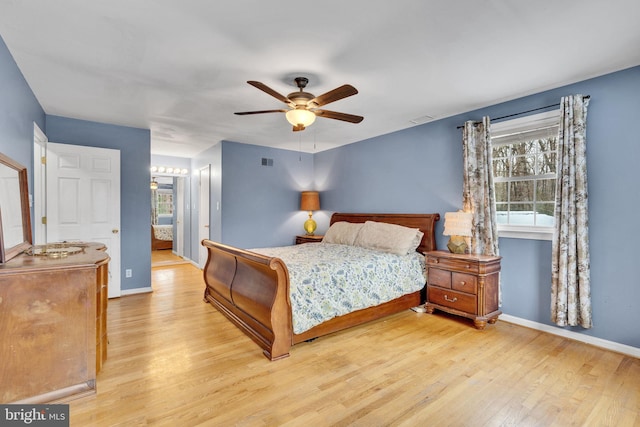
(412, 170)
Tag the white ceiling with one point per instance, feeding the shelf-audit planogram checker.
(179, 67)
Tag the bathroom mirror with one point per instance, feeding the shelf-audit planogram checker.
(15, 215)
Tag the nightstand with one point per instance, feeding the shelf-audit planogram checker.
(464, 285)
(308, 239)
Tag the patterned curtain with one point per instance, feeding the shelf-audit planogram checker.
(477, 191)
(154, 207)
(570, 266)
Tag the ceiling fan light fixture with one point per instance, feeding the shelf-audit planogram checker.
(300, 117)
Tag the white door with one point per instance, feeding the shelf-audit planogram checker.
(83, 200)
(39, 185)
(179, 206)
(203, 217)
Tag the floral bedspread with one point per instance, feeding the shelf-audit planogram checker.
(163, 232)
(329, 280)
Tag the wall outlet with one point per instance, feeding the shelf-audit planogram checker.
(128, 272)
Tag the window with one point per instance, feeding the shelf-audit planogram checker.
(165, 203)
(524, 169)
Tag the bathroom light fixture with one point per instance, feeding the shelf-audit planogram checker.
(169, 170)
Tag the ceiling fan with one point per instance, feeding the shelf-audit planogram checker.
(305, 106)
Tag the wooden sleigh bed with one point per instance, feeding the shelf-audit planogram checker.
(252, 290)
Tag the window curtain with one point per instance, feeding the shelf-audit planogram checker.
(570, 267)
(478, 192)
(154, 207)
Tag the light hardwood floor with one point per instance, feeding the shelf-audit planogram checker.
(165, 257)
(175, 361)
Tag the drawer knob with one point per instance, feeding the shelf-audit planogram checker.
(446, 297)
(468, 265)
(462, 282)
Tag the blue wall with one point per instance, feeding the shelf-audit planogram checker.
(135, 205)
(19, 109)
(414, 171)
(420, 170)
(261, 204)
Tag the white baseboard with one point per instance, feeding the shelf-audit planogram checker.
(587, 339)
(134, 291)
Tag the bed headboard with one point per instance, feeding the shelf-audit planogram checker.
(425, 222)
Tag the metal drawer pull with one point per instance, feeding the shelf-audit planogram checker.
(450, 300)
(462, 282)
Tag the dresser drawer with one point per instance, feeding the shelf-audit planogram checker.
(437, 277)
(464, 282)
(452, 299)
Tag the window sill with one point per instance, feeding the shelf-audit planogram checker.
(530, 233)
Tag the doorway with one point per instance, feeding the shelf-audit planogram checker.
(168, 212)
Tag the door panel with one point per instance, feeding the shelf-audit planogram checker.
(83, 200)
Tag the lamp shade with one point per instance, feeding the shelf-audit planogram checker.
(457, 223)
(309, 201)
(300, 117)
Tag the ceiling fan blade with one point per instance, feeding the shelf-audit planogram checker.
(245, 113)
(263, 87)
(332, 96)
(351, 118)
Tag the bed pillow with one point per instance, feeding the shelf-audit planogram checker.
(342, 233)
(391, 238)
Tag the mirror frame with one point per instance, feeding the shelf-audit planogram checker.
(8, 253)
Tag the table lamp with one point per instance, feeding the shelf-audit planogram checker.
(309, 201)
(458, 226)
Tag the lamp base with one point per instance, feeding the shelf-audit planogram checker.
(457, 245)
(310, 226)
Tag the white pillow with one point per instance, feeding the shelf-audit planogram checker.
(342, 233)
(391, 238)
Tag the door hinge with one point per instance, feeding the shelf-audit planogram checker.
(44, 220)
(43, 160)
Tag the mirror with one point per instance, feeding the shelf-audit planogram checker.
(15, 216)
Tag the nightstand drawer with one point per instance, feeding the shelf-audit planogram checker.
(452, 299)
(470, 266)
(464, 282)
(440, 278)
(308, 239)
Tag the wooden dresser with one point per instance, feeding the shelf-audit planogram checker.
(53, 325)
(465, 285)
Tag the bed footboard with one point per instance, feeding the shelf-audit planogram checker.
(252, 290)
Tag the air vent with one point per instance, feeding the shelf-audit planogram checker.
(267, 162)
(421, 120)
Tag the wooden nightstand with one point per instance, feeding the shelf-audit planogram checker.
(465, 285)
(308, 239)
